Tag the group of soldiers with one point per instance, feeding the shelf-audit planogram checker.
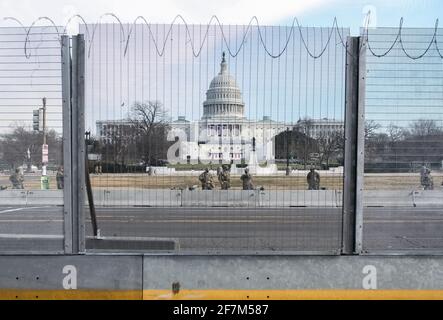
(313, 179)
(224, 178)
(17, 179)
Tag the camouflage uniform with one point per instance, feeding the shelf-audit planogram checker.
(225, 178)
(206, 180)
(60, 177)
(219, 175)
(17, 180)
(313, 179)
(247, 180)
(426, 178)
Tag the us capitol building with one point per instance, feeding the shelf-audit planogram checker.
(225, 135)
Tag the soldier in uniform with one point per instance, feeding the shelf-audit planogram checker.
(206, 180)
(247, 180)
(426, 178)
(17, 180)
(225, 178)
(313, 179)
(219, 175)
(60, 178)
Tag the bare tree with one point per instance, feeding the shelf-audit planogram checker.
(397, 148)
(425, 127)
(371, 128)
(15, 146)
(330, 145)
(395, 133)
(305, 127)
(371, 146)
(149, 120)
(296, 144)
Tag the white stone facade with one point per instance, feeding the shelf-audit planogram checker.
(224, 134)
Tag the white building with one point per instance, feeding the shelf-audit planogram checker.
(318, 128)
(225, 135)
(108, 130)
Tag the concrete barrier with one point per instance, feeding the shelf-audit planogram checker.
(13, 197)
(387, 198)
(339, 198)
(298, 198)
(31, 197)
(427, 198)
(132, 244)
(45, 197)
(217, 198)
(227, 198)
(220, 198)
(137, 197)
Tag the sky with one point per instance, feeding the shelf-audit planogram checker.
(286, 89)
(319, 13)
(350, 13)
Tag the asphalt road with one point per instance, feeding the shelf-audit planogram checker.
(40, 229)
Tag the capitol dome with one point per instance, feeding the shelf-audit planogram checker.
(223, 98)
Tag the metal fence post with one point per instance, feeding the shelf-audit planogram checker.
(360, 145)
(67, 147)
(78, 141)
(80, 83)
(350, 156)
(352, 236)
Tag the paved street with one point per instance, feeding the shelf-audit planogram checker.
(40, 229)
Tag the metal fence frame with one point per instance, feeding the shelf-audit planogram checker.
(73, 76)
(73, 96)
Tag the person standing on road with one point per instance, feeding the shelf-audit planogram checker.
(17, 179)
(313, 179)
(426, 180)
(225, 178)
(60, 177)
(247, 180)
(219, 175)
(206, 180)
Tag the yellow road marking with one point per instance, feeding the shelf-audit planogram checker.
(294, 295)
(23, 294)
(16, 294)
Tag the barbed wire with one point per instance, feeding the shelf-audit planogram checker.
(196, 50)
(399, 39)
